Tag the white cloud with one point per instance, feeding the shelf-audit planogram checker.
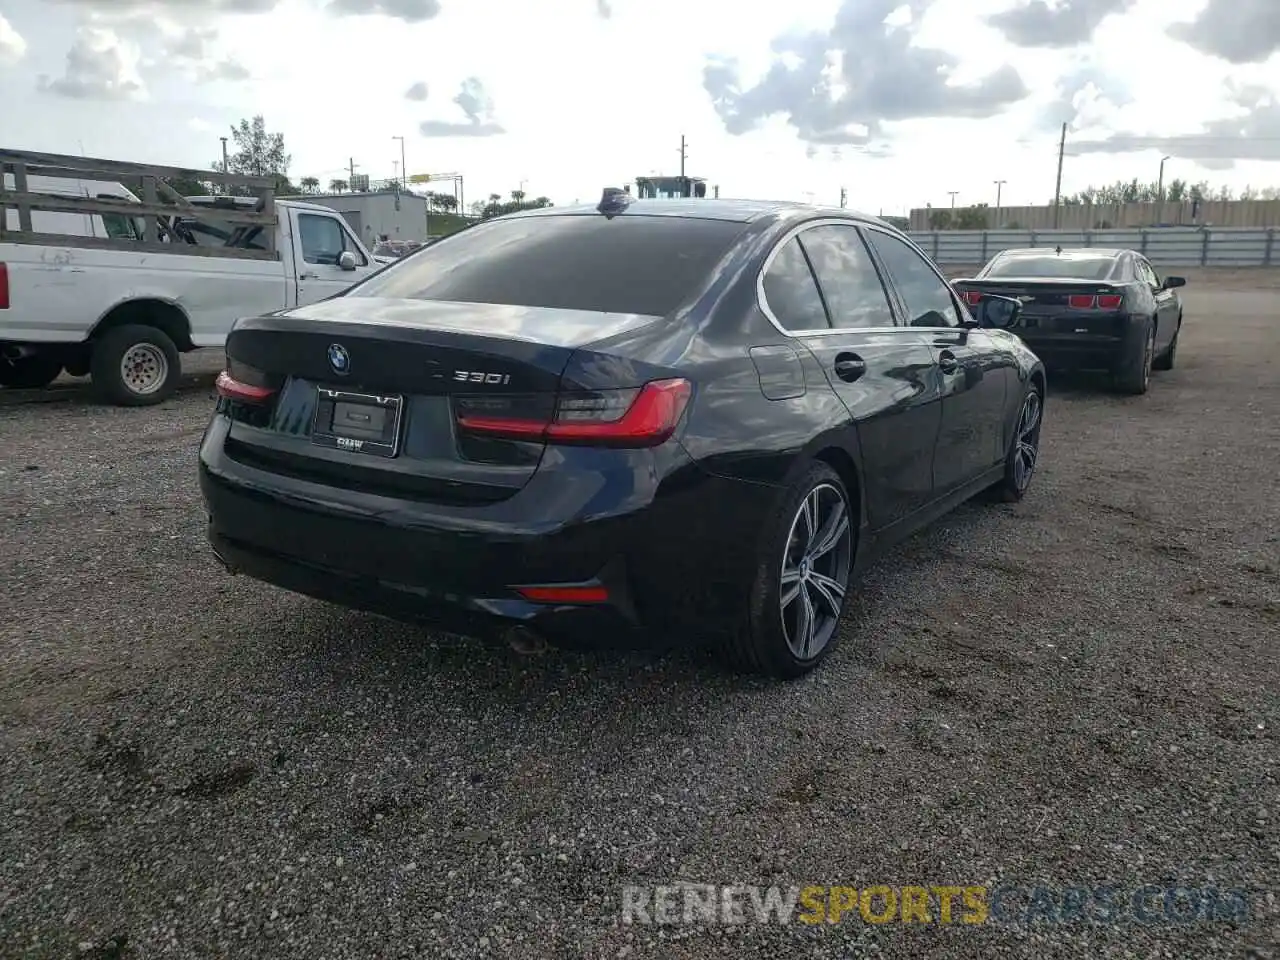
(100, 66)
(565, 94)
(12, 46)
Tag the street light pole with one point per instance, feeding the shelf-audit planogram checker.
(404, 172)
(1160, 182)
(953, 198)
(999, 187)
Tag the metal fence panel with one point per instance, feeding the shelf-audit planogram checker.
(1168, 246)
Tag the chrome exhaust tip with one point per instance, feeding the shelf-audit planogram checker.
(526, 642)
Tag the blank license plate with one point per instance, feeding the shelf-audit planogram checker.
(359, 422)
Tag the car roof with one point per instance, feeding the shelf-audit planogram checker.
(704, 208)
(1082, 253)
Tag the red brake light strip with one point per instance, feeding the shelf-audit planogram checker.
(233, 389)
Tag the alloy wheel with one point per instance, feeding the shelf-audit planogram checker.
(1027, 440)
(816, 567)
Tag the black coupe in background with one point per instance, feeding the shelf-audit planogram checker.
(690, 418)
(1088, 309)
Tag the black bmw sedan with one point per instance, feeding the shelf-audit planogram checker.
(648, 418)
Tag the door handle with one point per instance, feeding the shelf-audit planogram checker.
(849, 367)
(308, 276)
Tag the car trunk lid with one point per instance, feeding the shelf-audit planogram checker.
(369, 394)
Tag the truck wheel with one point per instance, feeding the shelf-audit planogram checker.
(30, 372)
(135, 366)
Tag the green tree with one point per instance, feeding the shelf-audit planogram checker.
(338, 186)
(940, 219)
(258, 153)
(310, 184)
(972, 218)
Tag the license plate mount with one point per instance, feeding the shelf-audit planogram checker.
(364, 423)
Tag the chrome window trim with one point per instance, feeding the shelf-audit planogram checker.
(763, 302)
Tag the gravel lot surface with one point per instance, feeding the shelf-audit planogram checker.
(1080, 689)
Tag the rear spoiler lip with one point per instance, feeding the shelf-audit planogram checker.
(1038, 282)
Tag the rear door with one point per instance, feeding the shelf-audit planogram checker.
(976, 372)
(881, 372)
(1167, 304)
(319, 240)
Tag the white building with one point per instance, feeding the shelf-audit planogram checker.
(397, 215)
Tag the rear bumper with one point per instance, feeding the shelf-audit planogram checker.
(1085, 351)
(674, 555)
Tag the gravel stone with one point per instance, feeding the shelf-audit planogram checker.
(1079, 689)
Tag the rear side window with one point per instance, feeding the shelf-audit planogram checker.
(790, 290)
(630, 264)
(855, 296)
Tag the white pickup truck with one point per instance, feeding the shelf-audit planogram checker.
(122, 302)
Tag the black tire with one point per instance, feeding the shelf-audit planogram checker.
(1133, 374)
(1024, 449)
(32, 372)
(157, 369)
(1166, 359)
(764, 643)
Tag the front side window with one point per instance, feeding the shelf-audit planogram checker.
(925, 295)
(322, 239)
(847, 276)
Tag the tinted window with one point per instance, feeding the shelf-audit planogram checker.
(630, 264)
(1051, 265)
(927, 299)
(791, 292)
(1148, 274)
(848, 278)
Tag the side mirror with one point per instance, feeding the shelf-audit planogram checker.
(346, 260)
(999, 312)
(1171, 282)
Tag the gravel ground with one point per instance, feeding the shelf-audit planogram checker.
(1079, 689)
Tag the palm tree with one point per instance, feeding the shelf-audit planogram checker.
(338, 186)
(309, 184)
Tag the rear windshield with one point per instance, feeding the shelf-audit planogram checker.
(630, 264)
(1050, 265)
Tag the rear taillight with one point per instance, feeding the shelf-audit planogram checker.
(230, 388)
(973, 297)
(637, 417)
(1087, 301)
(4, 286)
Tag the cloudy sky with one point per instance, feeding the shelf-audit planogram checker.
(899, 102)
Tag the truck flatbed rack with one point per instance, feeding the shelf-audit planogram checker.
(161, 210)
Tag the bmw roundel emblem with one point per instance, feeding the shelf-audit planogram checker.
(339, 359)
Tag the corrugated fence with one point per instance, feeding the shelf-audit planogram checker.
(1168, 246)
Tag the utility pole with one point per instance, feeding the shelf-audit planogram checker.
(953, 198)
(999, 186)
(684, 153)
(1057, 191)
(843, 197)
(225, 168)
(351, 185)
(1160, 188)
(404, 171)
